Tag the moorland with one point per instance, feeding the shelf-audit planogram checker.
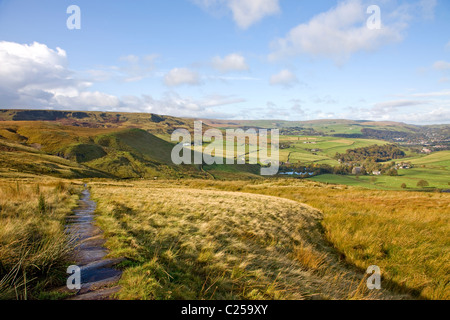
(376, 193)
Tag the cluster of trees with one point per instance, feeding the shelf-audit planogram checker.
(285, 145)
(385, 134)
(374, 153)
(298, 131)
(385, 169)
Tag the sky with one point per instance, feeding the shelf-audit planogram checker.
(386, 60)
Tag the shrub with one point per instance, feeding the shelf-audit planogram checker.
(422, 184)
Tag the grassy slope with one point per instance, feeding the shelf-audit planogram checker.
(185, 243)
(404, 233)
(437, 160)
(18, 160)
(113, 151)
(34, 250)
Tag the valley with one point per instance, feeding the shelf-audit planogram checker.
(213, 232)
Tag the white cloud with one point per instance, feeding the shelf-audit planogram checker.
(131, 69)
(87, 100)
(230, 63)
(248, 12)
(337, 34)
(180, 76)
(22, 63)
(436, 115)
(387, 107)
(233, 78)
(173, 104)
(137, 68)
(297, 107)
(441, 65)
(443, 93)
(284, 78)
(327, 99)
(245, 12)
(408, 110)
(427, 8)
(36, 76)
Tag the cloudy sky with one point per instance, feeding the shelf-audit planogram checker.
(230, 59)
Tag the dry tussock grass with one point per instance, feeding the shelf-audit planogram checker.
(33, 245)
(404, 233)
(185, 243)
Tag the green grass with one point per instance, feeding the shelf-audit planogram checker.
(328, 147)
(437, 160)
(439, 179)
(434, 168)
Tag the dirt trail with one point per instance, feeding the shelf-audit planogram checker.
(98, 277)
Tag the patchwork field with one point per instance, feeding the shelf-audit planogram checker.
(320, 150)
(434, 169)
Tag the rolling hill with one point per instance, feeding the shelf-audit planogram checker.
(137, 145)
(96, 152)
(94, 144)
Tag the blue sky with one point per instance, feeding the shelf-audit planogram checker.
(230, 59)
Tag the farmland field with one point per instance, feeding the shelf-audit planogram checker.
(326, 147)
(434, 168)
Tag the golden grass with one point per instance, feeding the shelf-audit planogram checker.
(184, 243)
(404, 233)
(33, 245)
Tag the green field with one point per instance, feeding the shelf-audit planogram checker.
(300, 150)
(438, 160)
(437, 178)
(327, 127)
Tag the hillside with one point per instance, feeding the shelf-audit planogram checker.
(363, 129)
(97, 152)
(17, 160)
(71, 150)
(155, 124)
(133, 145)
(211, 245)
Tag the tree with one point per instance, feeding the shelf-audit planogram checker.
(422, 184)
(404, 186)
(392, 173)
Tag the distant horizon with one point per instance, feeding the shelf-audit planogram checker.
(228, 120)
